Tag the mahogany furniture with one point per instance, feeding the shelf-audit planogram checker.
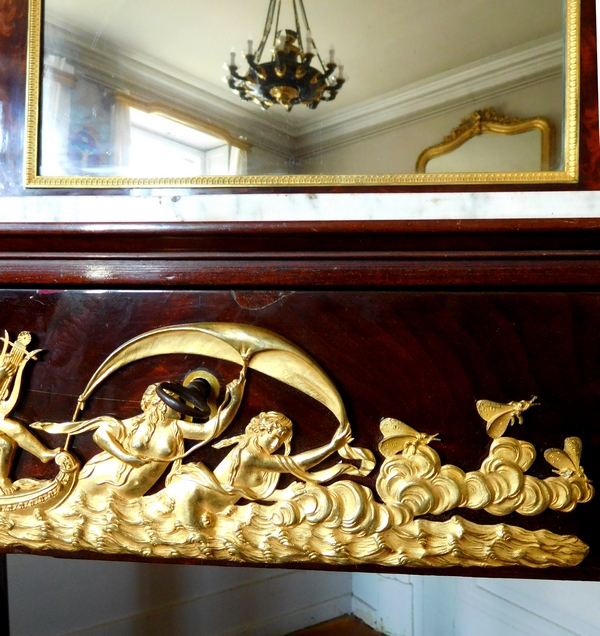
(410, 320)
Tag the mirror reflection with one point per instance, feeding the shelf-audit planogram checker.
(492, 142)
(136, 89)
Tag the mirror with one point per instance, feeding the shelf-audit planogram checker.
(492, 142)
(131, 94)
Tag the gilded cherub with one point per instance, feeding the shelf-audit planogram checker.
(13, 359)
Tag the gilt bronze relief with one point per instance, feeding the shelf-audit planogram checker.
(237, 510)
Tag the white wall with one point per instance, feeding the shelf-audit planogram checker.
(95, 598)
(455, 606)
(261, 161)
(397, 150)
(385, 602)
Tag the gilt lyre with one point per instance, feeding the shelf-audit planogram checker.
(12, 364)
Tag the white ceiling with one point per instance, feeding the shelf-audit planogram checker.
(384, 44)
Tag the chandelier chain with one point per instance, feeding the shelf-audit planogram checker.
(277, 24)
(268, 27)
(308, 29)
(298, 29)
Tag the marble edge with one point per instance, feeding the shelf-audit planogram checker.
(172, 208)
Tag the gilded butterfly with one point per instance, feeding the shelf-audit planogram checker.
(566, 461)
(398, 437)
(499, 417)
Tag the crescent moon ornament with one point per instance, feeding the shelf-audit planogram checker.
(265, 351)
(246, 345)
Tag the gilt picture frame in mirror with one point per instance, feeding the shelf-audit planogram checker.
(129, 95)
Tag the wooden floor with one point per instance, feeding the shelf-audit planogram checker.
(344, 626)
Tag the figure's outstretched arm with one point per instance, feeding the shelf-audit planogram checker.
(224, 416)
(307, 459)
(195, 430)
(312, 457)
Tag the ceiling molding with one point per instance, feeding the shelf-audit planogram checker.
(149, 79)
(511, 70)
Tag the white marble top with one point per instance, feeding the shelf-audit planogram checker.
(168, 207)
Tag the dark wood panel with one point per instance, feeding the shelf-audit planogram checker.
(589, 157)
(240, 274)
(423, 357)
(367, 239)
(351, 254)
(13, 30)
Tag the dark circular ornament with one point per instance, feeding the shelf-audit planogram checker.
(188, 400)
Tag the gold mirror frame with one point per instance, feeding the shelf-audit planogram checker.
(569, 173)
(488, 120)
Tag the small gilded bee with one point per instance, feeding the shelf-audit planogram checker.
(567, 461)
(499, 417)
(399, 437)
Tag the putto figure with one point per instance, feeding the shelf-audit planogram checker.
(12, 434)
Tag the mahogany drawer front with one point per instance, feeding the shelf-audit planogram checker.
(419, 357)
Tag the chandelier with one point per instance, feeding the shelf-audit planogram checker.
(288, 78)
